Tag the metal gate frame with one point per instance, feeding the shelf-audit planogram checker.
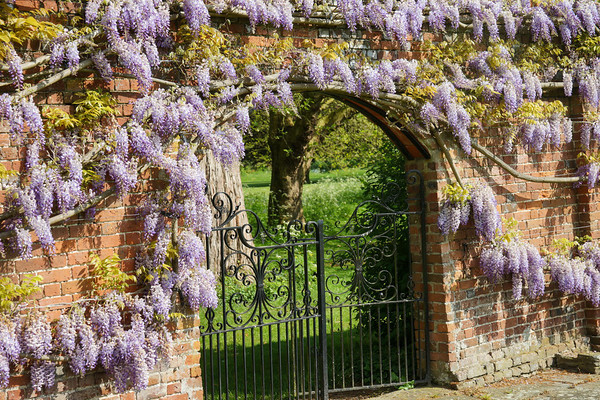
(295, 318)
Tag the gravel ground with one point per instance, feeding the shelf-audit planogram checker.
(545, 385)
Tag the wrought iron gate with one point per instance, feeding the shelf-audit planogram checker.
(307, 310)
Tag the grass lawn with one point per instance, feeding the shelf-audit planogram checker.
(331, 196)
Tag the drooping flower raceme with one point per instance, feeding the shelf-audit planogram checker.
(518, 259)
(485, 212)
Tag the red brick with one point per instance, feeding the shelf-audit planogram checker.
(55, 275)
(78, 258)
(174, 388)
(181, 396)
(128, 396)
(15, 394)
(195, 372)
(192, 359)
(48, 301)
(52, 290)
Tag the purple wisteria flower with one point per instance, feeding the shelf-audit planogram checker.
(485, 213)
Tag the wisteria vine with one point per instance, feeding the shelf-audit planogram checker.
(71, 160)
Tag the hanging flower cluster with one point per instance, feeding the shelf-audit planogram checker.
(128, 351)
(576, 268)
(507, 254)
(455, 210)
(479, 200)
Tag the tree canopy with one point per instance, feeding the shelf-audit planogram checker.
(352, 142)
(491, 67)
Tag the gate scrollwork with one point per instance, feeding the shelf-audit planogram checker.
(322, 307)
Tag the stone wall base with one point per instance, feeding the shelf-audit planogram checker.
(516, 360)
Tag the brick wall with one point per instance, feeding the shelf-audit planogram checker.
(478, 332)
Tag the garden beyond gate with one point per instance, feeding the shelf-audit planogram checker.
(306, 310)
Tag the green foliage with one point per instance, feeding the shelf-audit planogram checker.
(332, 195)
(16, 27)
(511, 232)
(108, 273)
(587, 46)
(457, 50)
(274, 53)
(12, 293)
(6, 173)
(90, 177)
(170, 260)
(540, 56)
(563, 246)
(351, 143)
(331, 200)
(407, 386)
(589, 158)
(455, 193)
(91, 108)
(532, 111)
(355, 142)
(57, 119)
(94, 105)
(206, 44)
(386, 180)
(388, 168)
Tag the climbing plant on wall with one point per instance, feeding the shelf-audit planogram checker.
(490, 67)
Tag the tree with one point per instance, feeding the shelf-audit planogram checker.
(320, 129)
(291, 144)
(196, 88)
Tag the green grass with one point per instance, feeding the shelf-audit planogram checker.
(331, 196)
(262, 177)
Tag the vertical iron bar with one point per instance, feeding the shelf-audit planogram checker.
(219, 369)
(308, 356)
(297, 385)
(280, 356)
(204, 367)
(262, 359)
(271, 362)
(370, 339)
(322, 309)
(245, 359)
(212, 363)
(254, 366)
(399, 334)
(379, 341)
(235, 364)
(289, 358)
(351, 346)
(406, 333)
(294, 313)
(315, 356)
(209, 388)
(389, 342)
(360, 339)
(223, 268)
(301, 372)
(414, 336)
(342, 346)
(397, 296)
(307, 314)
(332, 359)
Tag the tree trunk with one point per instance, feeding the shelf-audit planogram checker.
(228, 180)
(289, 142)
